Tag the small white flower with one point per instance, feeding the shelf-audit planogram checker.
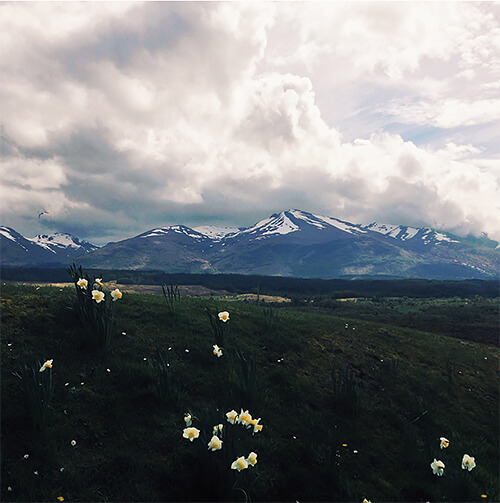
(468, 462)
(116, 294)
(366, 501)
(217, 351)
(108, 370)
(9, 489)
(188, 419)
(36, 472)
(252, 458)
(217, 429)
(73, 443)
(444, 443)
(240, 464)
(186, 350)
(224, 316)
(46, 365)
(232, 416)
(26, 456)
(437, 467)
(215, 444)
(82, 283)
(191, 433)
(98, 296)
(66, 384)
(61, 469)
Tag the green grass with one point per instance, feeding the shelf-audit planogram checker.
(412, 387)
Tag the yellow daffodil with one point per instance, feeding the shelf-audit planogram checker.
(188, 419)
(217, 351)
(468, 462)
(240, 464)
(98, 281)
(46, 365)
(82, 283)
(245, 418)
(484, 495)
(444, 443)
(437, 467)
(256, 426)
(116, 294)
(215, 444)
(224, 316)
(252, 459)
(191, 433)
(232, 416)
(60, 498)
(97, 295)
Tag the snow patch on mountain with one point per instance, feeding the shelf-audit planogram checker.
(404, 233)
(60, 241)
(5, 231)
(178, 229)
(216, 232)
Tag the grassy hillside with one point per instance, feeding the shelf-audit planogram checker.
(350, 408)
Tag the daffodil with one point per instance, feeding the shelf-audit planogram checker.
(217, 351)
(97, 295)
(60, 498)
(191, 433)
(116, 294)
(215, 444)
(252, 459)
(73, 443)
(217, 429)
(98, 281)
(245, 418)
(366, 501)
(46, 365)
(232, 416)
(82, 283)
(188, 419)
(437, 467)
(240, 464)
(256, 426)
(444, 443)
(224, 316)
(468, 462)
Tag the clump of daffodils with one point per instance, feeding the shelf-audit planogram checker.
(468, 462)
(217, 351)
(191, 433)
(444, 443)
(224, 316)
(46, 365)
(437, 467)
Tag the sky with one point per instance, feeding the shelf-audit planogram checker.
(120, 117)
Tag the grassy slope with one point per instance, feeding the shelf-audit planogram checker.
(130, 446)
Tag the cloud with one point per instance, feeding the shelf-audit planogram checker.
(134, 115)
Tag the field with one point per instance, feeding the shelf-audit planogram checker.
(352, 403)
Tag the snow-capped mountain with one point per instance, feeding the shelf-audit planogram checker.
(290, 243)
(44, 249)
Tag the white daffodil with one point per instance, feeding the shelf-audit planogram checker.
(215, 444)
(46, 365)
(256, 426)
(224, 316)
(252, 459)
(188, 419)
(437, 467)
(240, 464)
(82, 283)
(217, 429)
(217, 351)
(191, 433)
(98, 281)
(444, 443)
(73, 443)
(366, 501)
(97, 295)
(116, 294)
(468, 462)
(232, 416)
(245, 418)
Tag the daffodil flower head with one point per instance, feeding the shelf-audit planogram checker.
(73, 443)
(232, 416)
(97, 295)
(188, 419)
(46, 365)
(444, 443)
(60, 498)
(217, 429)
(366, 501)
(437, 467)
(245, 418)
(82, 283)
(215, 444)
(191, 433)
(252, 459)
(116, 294)
(468, 462)
(217, 351)
(224, 316)
(256, 426)
(98, 281)
(240, 464)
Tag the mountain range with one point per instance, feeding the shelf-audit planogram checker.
(291, 243)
